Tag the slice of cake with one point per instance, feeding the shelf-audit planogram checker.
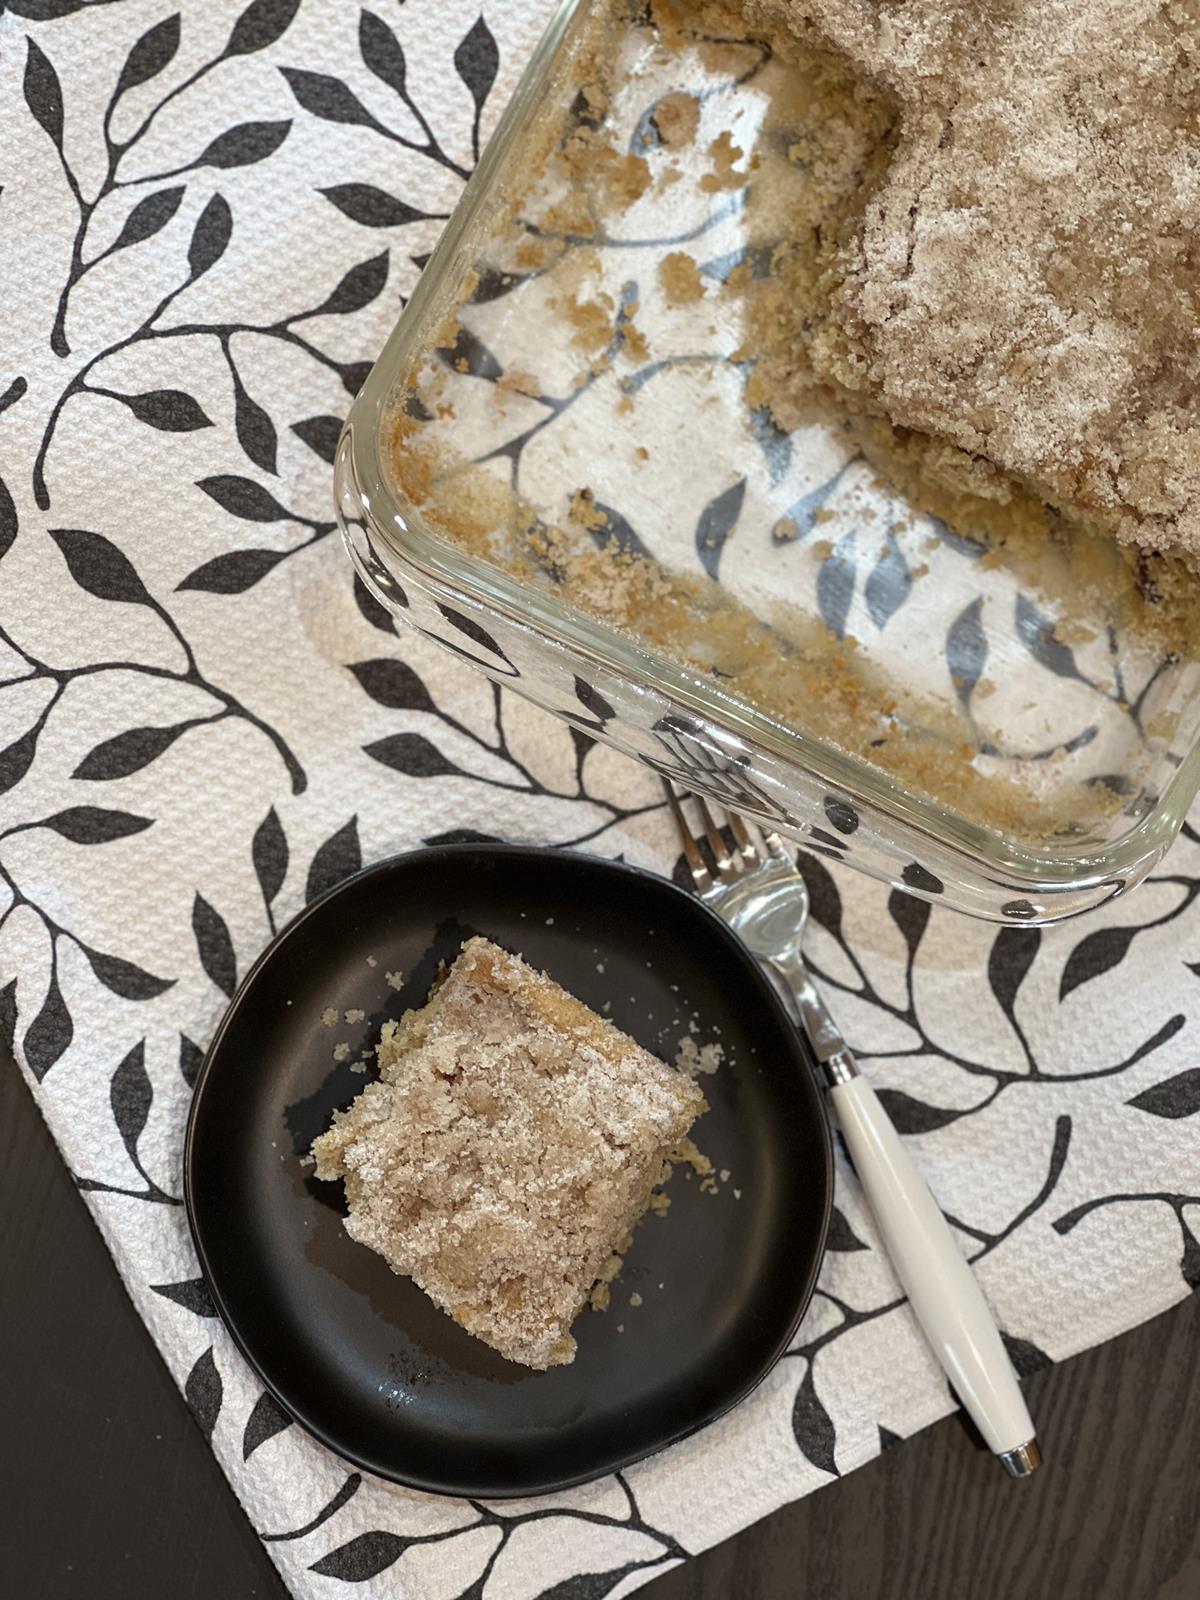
(512, 1142)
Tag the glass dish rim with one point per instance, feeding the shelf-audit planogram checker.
(1052, 867)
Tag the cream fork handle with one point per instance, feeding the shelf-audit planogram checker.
(941, 1288)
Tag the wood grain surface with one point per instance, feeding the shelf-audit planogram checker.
(108, 1491)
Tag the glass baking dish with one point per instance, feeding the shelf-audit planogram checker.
(1013, 741)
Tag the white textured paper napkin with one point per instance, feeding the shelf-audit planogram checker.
(207, 224)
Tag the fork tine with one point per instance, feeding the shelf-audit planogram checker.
(776, 848)
(726, 870)
(744, 840)
(692, 853)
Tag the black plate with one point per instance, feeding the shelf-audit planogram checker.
(359, 1356)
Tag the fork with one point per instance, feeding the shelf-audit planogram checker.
(758, 890)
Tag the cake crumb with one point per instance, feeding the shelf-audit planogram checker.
(635, 1299)
(725, 155)
(680, 278)
(329, 1017)
(692, 1059)
(677, 117)
(513, 1141)
(395, 980)
(341, 1052)
(371, 961)
(355, 1015)
(514, 380)
(586, 512)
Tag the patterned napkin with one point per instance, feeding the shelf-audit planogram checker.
(210, 220)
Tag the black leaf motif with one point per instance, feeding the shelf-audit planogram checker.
(911, 916)
(967, 650)
(717, 521)
(123, 977)
(99, 567)
(1094, 955)
(888, 584)
(266, 1420)
(43, 92)
(1036, 633)
(468, 354)
(358, 288)
(269, 853)
(169, 410)
(339, 857)
(150, 54)
(490, 283)
(363, 1557)
(215, 945)
(193, 1296)
(843, 817)
(918, 877)
(593, 700)
(127, 752)
(321, 435)
(244, 498)
(914, 1116)
(394, 684)
(370, 609)
(8, 520)
(353, 375)
(8, 1014)
(835, 585)
(255, 430)
(191, 1059)
(210, 236)
(381, 52)
(841, 1235)
(1024, 1355)
(813, 1427)
(1012, 955)
(204, 1392)
(824, 900)
(50, 1032)
(260, 25)
(148, 217)
(372, 207)
(775, 445)
(472, 629)
(411, 754)
(477, 61)
(243, 145)
(232, 573)
(130, 1095)
(1173, 1097)
(327, 97)
(583, 1586)
(17, 758)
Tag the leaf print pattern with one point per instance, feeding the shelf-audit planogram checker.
(221, 722)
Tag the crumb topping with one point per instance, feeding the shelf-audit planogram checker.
(512, 1142)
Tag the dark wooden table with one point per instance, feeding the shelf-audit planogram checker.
(108, 1491)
